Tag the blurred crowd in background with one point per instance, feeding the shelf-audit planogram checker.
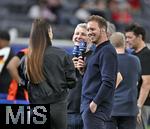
(64, 15)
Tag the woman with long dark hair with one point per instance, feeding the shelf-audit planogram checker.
(50, 72)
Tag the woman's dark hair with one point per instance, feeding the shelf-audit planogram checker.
(39, 40)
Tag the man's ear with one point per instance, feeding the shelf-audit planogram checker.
(50, 33)
(140, 36)
(73, 38)
(103, 30)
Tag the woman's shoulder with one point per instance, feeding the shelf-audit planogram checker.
(56, 50)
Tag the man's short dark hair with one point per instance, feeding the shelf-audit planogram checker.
(100, 20)
(4, 35)
(136, 29)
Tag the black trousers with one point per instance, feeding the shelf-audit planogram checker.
(58, 114)
(92, 120)
(122, 122)
(75, 121)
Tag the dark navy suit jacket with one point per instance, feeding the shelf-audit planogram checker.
(99, 80)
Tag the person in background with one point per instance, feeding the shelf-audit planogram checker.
(99, 78)
(74, 98)
(50, 10)
(135, 37)
(6, 54)
(16, 90)
(110, 29)
(50, 73)
(125, 108)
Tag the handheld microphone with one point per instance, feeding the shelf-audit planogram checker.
(76, 51)
(82, 48)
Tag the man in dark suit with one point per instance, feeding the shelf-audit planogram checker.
(99, 78)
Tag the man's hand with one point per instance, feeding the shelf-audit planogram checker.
(139, 116)
(75, 61)
(81, 65)
(93, 107)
